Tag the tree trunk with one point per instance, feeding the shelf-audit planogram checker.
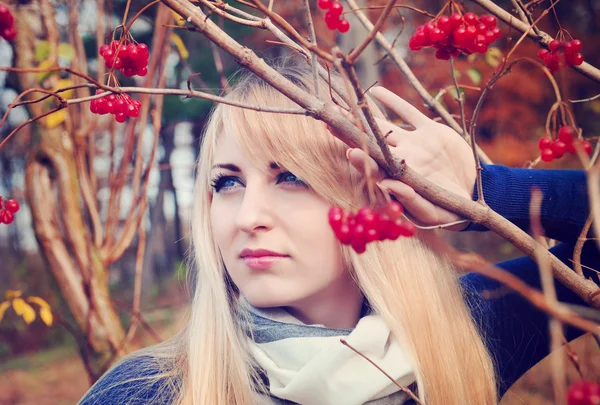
(54, 198)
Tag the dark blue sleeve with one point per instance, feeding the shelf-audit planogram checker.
(129, 382)
(565, 205)
(516, 333)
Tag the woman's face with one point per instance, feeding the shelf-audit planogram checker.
(273, 234)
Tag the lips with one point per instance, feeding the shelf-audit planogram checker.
(259, 253)
(261, 259)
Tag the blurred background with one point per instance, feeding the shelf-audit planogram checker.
(100, 199)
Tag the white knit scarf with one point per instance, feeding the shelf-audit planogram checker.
(307, 364)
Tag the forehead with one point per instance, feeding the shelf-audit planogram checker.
(227, 150)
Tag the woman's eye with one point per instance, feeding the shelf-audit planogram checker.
(289, 177)
(224, 182)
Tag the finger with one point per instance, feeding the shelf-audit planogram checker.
(393, 134)
(400, 106)
(357, 158)
(418, 207)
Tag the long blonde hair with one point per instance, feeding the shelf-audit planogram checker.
(415, 291)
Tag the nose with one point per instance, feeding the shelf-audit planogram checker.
(254, 213)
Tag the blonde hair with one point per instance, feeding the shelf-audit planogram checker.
(415, 291)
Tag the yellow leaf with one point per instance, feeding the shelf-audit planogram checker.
(10, 294)
(493, 56)
(55, 119)
(179, 20)
(45, 64)
(24, 309)
(39, 301)
(183, 52)
(3, 307)
(46, 316)
(62, 83)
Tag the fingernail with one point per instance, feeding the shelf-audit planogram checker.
(348, 153)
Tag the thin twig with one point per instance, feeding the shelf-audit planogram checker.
(313, 40)
(556, 330)
(403, 388)
(478, 168)
(360, 48)
(579, 245)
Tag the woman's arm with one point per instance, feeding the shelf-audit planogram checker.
(565, 204)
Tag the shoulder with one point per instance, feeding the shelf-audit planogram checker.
(134, 380)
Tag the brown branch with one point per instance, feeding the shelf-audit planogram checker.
(384, 15)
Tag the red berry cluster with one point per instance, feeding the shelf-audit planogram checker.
(8, 31)
(560, 54)
(368, 225)
(121, 105)
(584, 393)
(131, 59)
(555, 149)
(333, 15)
(455, 34)
(8, 208)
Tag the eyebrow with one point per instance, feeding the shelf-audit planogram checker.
(234, 168)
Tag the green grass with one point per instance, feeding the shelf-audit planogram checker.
(36, 360)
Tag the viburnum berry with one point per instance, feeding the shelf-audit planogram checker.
(129, 58)
(8, 209)
(368, 225)
(333, 16)
(584, 393)
(8, 31)
(560, 54)
(567, 139)
(455, 34)
(120, 105)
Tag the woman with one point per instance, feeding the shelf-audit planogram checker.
(275, 291)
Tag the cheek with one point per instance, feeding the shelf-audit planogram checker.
(219, 225)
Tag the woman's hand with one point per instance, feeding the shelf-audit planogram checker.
(433, 150)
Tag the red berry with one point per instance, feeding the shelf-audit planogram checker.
(544, 143)
(456, 20)
(143, 49)
(436, 35)
(344, 234)
(336, 8)
(554, 45)
(366, 217)
(332, 20)
(407, 229)
(470, 19)
(587, 147)
(542, 54)
(547, 155)
(393, 210)
(444, 23)
(6, 17)
(6, 217)
(558, 149)
(489, 20)
(120, 117)
(566, 134)
(575, 45)
(343, 26)
(324, 4)
(12, 205)
(10, 33)
(577, 59)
